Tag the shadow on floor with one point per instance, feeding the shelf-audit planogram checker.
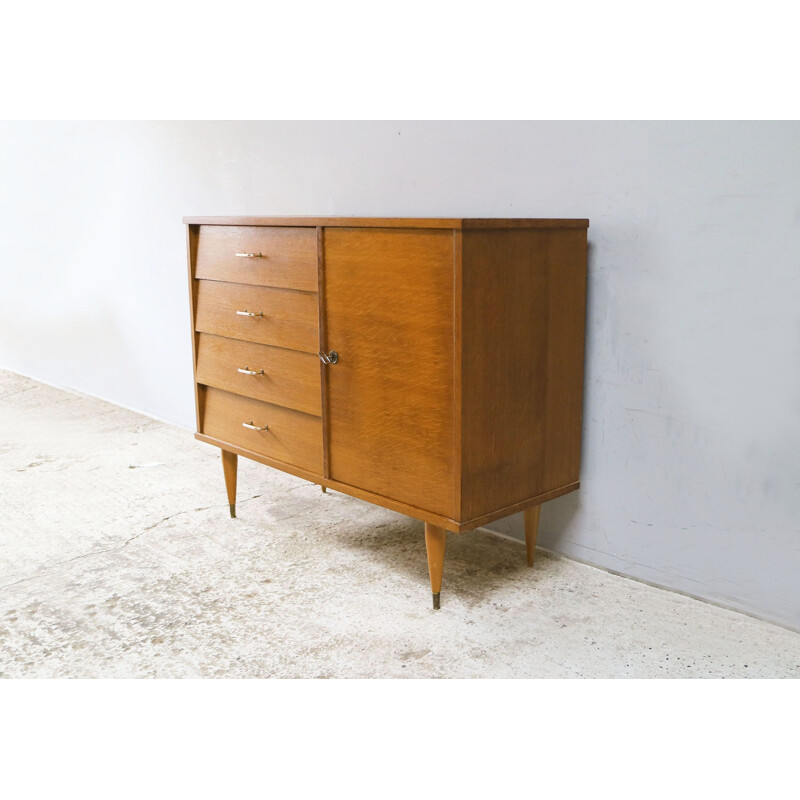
(476, 565)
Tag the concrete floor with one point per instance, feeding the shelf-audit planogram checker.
(118, 559)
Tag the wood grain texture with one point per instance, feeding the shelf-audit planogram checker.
(244, 452)
(292, 437)
(323, 347)
(566, 336)
(420, 223)
(387, 502)
(522, 364)
(230, 466)
(458, 302)
(457, 396)
(389, 313)
(490, 222)
(291, 319)
(290, 379)
(289, 256)
(435, 543)
(507, 511)
(531, 532)
(191, 253)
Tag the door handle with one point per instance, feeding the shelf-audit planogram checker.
(329, 358)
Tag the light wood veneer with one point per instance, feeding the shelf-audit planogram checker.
(456, 392)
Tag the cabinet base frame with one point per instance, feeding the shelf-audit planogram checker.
(393, 505)
(436, 527)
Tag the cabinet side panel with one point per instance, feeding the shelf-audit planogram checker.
(522, 364)
(566, 338)
(458, 298)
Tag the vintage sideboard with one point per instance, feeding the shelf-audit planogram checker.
(431, 366)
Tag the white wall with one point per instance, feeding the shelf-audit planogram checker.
(691, 470)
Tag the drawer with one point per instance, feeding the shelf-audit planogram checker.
(281, 257)
(289, 319)
(284, 377)
(291, 436)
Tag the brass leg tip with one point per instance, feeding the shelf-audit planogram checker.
(436, 603)
(324, 490)
(233, 510)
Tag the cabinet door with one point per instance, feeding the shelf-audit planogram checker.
(389, 312)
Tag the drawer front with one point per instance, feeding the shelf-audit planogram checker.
(284, 377)
(291, 436)
(290, 319)
(281, 257)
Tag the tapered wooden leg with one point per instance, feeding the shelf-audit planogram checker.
(435, 541)
(229, 463)
(531, 529)
(324, 490)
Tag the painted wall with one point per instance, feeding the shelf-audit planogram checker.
(691, 475)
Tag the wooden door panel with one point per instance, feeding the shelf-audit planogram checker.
(389, 308)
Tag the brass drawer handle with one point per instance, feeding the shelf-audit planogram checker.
(248, 371)
(329, 358)
(249, 255)
(247, 313)
(253, 427)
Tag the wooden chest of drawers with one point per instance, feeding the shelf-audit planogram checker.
(431, 366)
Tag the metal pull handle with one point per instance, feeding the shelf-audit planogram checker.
(253, 427)
(329, 358)
(249, 255)
(247, 313)
(248, 371)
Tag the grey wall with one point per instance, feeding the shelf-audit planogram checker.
(691, 471)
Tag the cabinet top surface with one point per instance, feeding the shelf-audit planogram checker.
(389, 222)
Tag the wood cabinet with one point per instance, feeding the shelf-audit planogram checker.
(431, 366)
